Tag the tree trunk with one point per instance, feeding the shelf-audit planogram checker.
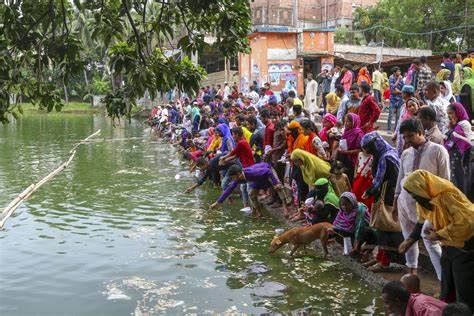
(66, 96)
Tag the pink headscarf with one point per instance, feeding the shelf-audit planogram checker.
(353, 136)
(328, 117)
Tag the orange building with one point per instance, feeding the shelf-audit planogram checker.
(283, 57)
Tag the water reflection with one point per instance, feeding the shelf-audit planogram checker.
(114, 234)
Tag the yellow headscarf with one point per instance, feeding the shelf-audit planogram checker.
(313, 167)
(442, 73)
(332, 102)
(452, 215)
(215, 144)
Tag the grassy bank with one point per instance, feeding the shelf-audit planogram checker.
(71, 107)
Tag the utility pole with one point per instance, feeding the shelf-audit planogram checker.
(381, 53)
(465, 23)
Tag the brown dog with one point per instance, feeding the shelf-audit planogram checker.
(302, 236)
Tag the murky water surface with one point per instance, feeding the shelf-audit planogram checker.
(114, 235)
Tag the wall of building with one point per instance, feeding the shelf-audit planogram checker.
(274, 58)
(311, 13)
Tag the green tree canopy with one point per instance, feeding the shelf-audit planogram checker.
(47, 44)
(418, 16)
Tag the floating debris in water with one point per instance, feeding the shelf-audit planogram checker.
(133, 171)
(246, 210)
(175, 162)
(258, 268)
(270, 289)
(279, 231)
(114, 293)
(177, 177)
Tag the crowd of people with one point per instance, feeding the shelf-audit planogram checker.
(325, 161)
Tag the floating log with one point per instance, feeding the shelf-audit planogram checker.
(13, 205)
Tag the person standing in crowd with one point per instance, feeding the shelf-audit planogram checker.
(335, 75)
(269, 129)
(377, 85)
(364, 76)
(332, 103)
(396, 100)
(324, 86)
(347, 78)
(458, 143)
(352, 137)
(437, 103)
(409, 109)
(369, 111)
(427, 116)
(421, 154)
(423, 75)
(350, 104)
(466, 95)
(296, 100)
(452, 216)
(278, 149)
(311, 95)
(469, 60)
(385, 166)
(446, 91)
(448, 64)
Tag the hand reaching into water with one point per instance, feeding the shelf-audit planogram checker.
(213, 205)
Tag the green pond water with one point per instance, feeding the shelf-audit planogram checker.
(114, 234)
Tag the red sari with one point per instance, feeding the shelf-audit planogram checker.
(363, 180)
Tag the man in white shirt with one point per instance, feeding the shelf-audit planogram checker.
(226, 91)
(421, 154)
(311, 96)
(437, 103)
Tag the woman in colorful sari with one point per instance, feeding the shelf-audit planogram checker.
(445, 85)
(458, 144)
(409, 109)
(457, 81)
(364, 76)
(452, 216)
(332, 103)
(296, 140)
(311, 169)
(385, 166)
(467, 92)
(350, 143)
(227, 145)
(328, 122)
(352, 221)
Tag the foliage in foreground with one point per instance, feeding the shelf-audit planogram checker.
(141, 44)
